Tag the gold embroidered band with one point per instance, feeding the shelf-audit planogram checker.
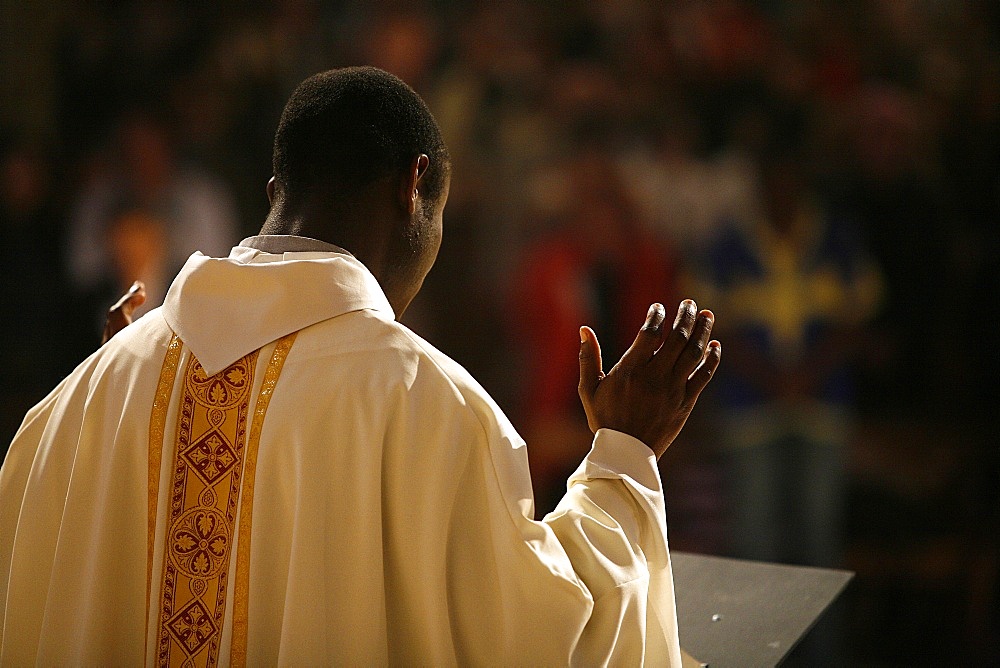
(203, 497)
(213, 474)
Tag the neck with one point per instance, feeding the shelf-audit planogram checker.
(359, 229)
(354, 226)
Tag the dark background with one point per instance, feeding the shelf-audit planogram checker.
(890, 109)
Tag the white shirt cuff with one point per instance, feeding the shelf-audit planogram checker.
(615, 454)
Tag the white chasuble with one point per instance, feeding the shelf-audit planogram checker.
(270, 470)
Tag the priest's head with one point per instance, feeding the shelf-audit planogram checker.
(359, 162)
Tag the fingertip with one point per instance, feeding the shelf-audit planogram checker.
(583, 335)
(685, 313)
(714, 353)
(655, 316)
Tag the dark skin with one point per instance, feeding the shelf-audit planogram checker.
(398, 252)
(648, 394)
(120, 315)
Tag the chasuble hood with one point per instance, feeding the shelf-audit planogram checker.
(225, 308)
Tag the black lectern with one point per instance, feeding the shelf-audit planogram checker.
(747, 613)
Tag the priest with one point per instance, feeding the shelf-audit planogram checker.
(271, 469)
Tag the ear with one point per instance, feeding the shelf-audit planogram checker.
(410, 184)
(270, 190)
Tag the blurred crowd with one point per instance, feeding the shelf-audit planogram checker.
(824, 175)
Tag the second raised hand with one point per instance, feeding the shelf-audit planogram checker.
(650, 392)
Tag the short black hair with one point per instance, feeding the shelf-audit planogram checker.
(343, 129)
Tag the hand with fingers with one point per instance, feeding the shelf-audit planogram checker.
(651, 391)
(120, 315)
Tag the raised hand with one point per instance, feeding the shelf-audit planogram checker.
(120, 315)
(651, 391)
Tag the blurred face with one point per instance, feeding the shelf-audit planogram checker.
(146, 152)
(23, 181)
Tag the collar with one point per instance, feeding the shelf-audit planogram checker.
(225, 308)
(289, 243)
